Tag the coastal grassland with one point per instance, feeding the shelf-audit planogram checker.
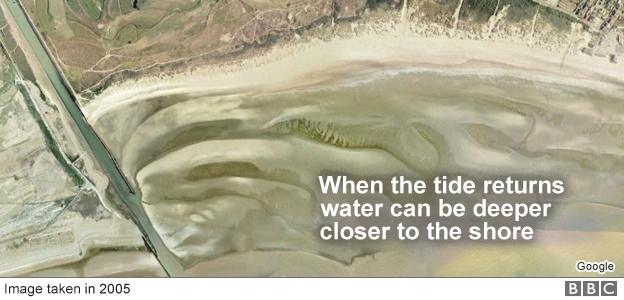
(100, 42)
(75, 29)
(43, 18)
(519, 10)
(89, 8)
(128, 34)
(93, 8)
(557, 19)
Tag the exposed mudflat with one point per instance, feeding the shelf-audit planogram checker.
(227, 163)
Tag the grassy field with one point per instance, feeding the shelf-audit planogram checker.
(118, 39)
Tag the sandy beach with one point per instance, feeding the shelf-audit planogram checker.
(320, 62)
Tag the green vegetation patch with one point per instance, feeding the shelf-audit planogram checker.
(56, 10)
(19, 58)
(93, 8)
(125, 6)
(557, 19)
(149, 19)
(216, 170)
(42, 17)
(7, 39)
(128, 34)
(520, 9)
(82, 32)
(480, 10)
(74, 5)
(198, 132)
(75, 176)
(73, 74)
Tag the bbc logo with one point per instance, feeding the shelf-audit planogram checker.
(591, 288)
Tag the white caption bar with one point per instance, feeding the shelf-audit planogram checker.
(290, 288)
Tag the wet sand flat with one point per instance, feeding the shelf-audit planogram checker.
(227, 163)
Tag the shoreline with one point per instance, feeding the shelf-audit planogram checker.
(318, 62)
